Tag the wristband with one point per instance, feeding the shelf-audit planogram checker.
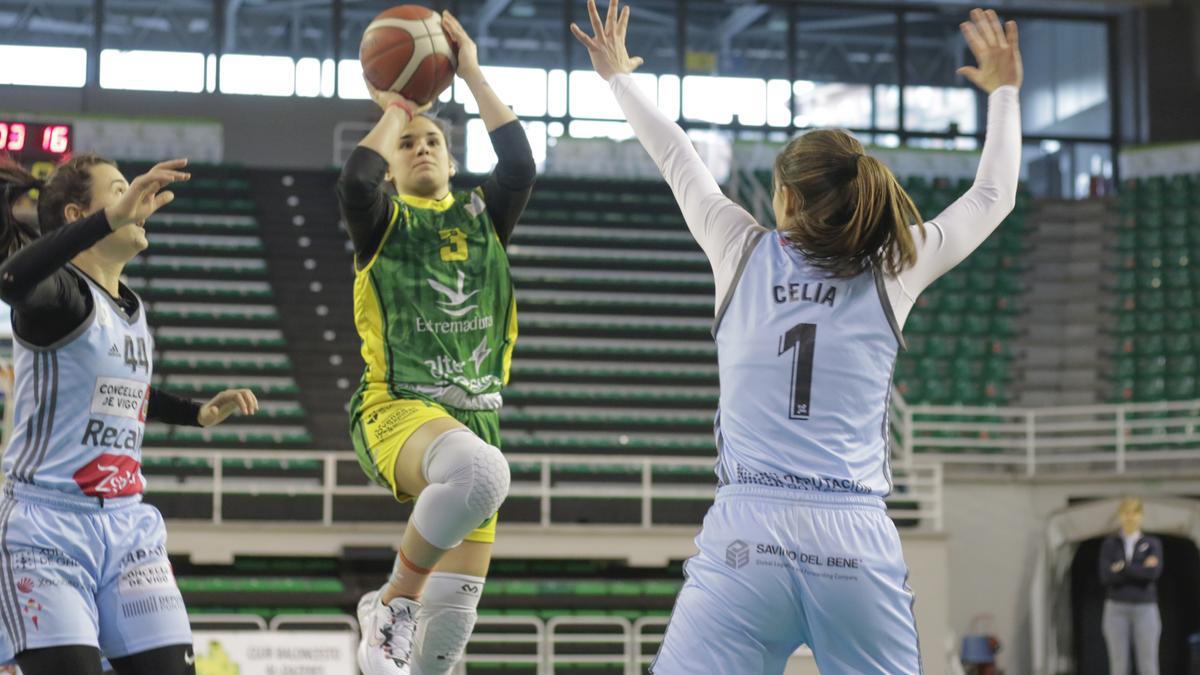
(403, 106)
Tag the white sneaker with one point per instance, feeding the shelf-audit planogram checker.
(387, 634)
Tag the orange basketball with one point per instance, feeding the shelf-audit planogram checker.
(404, 50)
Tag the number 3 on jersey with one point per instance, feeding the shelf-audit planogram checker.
(801, 340)
(456, 250)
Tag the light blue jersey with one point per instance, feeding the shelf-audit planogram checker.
(798, 548)
(82, 560)
(81, 405)
(806, 368)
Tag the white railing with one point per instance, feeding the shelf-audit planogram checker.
(643, 638)
(594, 640)
(1032, 441)
(916, 499)
(599, 640)
(527, 632)
(745, 187)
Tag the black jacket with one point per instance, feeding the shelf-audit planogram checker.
(1134, 582)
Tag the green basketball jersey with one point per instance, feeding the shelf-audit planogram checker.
(435, 306)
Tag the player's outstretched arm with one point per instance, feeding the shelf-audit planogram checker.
(30, 278)
(717, 223)
(967, 222)
(220, 407)
(163, 406)
(364, 204)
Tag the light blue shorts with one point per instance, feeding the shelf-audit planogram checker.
(780, 568)
(75, 573)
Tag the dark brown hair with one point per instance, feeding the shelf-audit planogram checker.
(70, 183)
(15, 181)
(847, 210)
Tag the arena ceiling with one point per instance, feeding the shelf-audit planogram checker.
(842, 41)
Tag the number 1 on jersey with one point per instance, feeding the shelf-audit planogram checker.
(801, 340)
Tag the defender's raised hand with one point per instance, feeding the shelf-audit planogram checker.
(607, 45)
(996, 51)
(146, 195)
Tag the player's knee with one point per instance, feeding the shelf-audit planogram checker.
(448, 615)
(492, 480)
(461, 459)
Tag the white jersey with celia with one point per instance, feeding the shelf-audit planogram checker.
(806, 367)
(761, 341)
(81, 405)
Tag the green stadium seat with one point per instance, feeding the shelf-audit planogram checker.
(1151, 322)
(1181, 387)
(1152, 366)
(1180, 322)
(1184, 298)
(1126, 324)
(1126, 368)
(1149, 389)
(1152, 216)
(948, 324)
(1181, 344)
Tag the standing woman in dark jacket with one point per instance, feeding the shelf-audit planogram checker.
(1130, 562)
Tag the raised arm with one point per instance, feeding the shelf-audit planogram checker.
(26, 275)
(719, 225)
(365, 206)
(506, 190)
(965, 224)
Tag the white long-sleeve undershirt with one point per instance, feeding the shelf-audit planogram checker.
(723, 228)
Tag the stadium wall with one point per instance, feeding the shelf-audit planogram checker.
(260, 131)
(994, 530)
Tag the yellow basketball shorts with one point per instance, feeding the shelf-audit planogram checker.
(380, 431)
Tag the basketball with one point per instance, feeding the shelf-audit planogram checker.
(404, 50)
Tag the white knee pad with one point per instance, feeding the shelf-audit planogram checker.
(468, 481)
(447, 619)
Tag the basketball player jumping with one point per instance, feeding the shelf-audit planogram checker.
(434, 306)
(798, 548)
(83, 562)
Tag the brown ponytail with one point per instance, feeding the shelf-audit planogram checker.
(14, 183)
(846, 209)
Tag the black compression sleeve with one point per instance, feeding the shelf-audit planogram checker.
(171, 409)
(48, 301)
(23, 273)
(506, 191)
(366, 208)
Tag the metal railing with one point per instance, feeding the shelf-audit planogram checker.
(916, 500)
(1033, 441)
(511, 639)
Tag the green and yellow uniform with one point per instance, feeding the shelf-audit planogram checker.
(438, 320)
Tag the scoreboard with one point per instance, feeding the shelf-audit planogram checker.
(37, 145)
(29, 142)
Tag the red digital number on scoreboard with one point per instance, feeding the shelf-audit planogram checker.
(56, 138)
(12, 137)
